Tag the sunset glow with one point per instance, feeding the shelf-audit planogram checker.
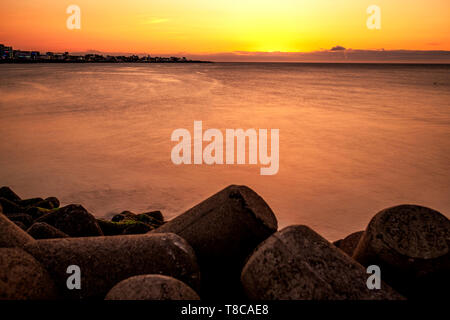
(204, 26)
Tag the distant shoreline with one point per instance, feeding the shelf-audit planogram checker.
(82, 62)
(410, 64)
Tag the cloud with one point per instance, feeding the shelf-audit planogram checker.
(337, 48)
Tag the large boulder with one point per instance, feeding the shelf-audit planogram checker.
(223, 230)
(105, 261)
(151, 287)
(23, 278)
(7, 193)
(42, 230)
(298, 264)
(73, 220)
(411, 246)
(12, 235)
(349, 243)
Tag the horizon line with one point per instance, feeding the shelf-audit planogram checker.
(336, 54)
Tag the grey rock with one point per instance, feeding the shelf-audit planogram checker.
(42, 230)
(411, 246)
(298, 264)
(23, 278)
(223, 230)
(105, 261)
(151, 287)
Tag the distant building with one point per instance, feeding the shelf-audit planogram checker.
(22, 55)
(6, 52)
(35, 55)
(10, 55)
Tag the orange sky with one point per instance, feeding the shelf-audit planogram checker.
(211, 26)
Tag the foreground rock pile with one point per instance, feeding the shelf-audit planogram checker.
(226, 247)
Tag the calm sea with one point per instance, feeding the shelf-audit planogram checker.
(354, 139)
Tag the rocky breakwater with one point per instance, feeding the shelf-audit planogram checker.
(104, 252)
(225, 248)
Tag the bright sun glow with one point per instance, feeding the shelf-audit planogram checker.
(205, 26)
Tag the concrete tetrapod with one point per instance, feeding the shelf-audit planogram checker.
(223, 230)
(298, 264)
(12, 235)
(23, 278)
(105, 261)
(151, 287)
(411, 245)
